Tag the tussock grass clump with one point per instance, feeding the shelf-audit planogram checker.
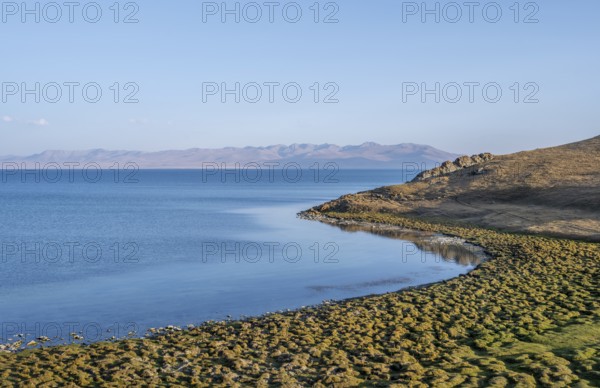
(528, 317)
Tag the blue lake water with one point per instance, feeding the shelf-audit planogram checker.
(178, 248)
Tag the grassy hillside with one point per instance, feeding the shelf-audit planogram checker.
(553, 191)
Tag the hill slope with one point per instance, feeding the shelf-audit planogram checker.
(553, 191)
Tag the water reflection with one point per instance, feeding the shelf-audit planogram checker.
(359, 286)
(449, 249)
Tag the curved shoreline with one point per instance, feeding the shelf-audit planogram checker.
(509, 322)
(20, 345)
(374, 227)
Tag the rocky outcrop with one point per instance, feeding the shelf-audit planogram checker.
(450, 167)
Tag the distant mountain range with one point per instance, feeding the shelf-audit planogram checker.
(365, 156)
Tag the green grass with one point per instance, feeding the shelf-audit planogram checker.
(562, 341)
(529, 317)
(573, 345)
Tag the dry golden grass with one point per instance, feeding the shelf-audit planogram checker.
(553, 191)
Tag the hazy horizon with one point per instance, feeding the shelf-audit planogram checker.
(450, 151)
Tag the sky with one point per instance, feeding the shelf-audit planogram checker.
(150, 76)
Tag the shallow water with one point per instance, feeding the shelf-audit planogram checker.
(110, 259)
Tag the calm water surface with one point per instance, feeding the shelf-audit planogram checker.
(175, 248)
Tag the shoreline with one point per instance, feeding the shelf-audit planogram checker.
(372, 227)
(503, 324)
(21, 344)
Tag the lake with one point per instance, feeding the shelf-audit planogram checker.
(117, 255)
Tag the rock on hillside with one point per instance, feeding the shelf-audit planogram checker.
(460, 163)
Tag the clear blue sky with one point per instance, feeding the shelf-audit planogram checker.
(370, 53)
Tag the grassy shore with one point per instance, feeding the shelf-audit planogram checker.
(528, 317)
